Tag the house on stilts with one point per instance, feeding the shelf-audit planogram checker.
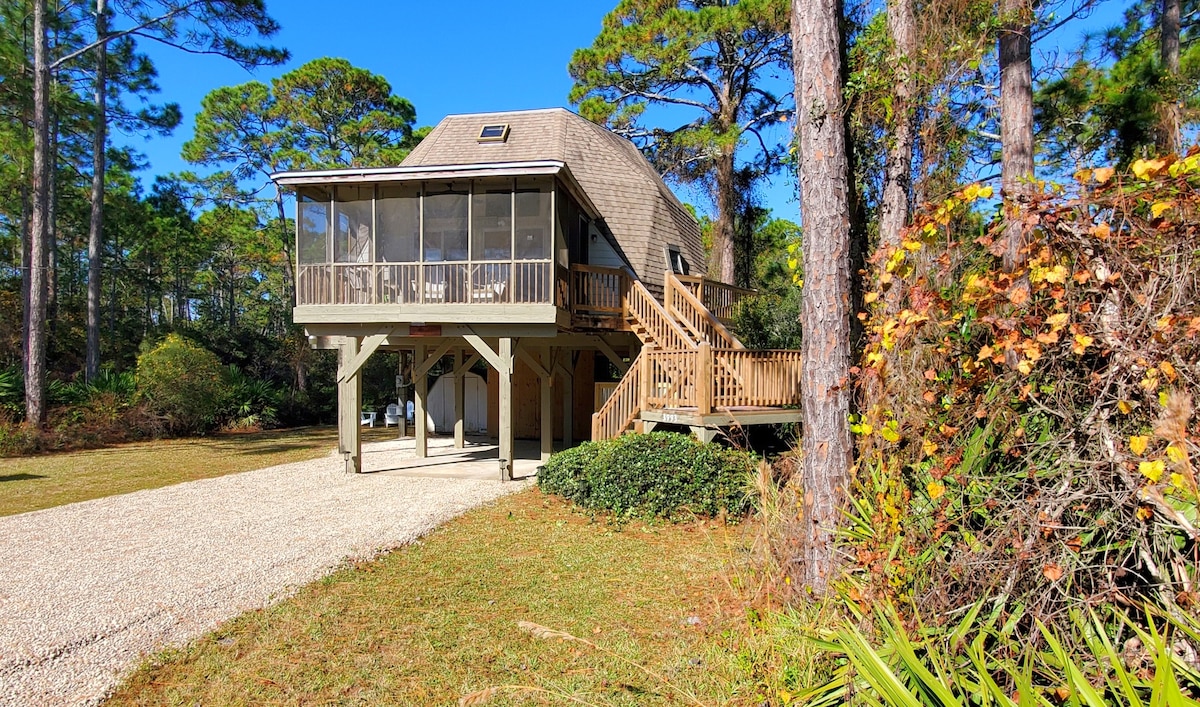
(548, 248)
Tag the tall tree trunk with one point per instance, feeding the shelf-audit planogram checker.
(722, 265)
(289, 272)
(148, 302)
(232, 298)
(1016, 125)
(52, 231)
(1169, 125)
(35, 333)
(96, 222)
(26, 244)
(894, 208)
(825, 314)
(112, 287)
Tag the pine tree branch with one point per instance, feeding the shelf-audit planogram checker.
(123, 33)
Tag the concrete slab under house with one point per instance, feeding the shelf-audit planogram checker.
(547, 248)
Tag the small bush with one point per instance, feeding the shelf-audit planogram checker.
(184, 383)
(12, 392)
(658, 474)
(16, 439)
(250, 403)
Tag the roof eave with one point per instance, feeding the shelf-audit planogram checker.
(402, 174)
(375, 175)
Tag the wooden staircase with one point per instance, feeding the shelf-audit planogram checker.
(692, 370)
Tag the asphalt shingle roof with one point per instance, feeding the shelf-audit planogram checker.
(639, 210)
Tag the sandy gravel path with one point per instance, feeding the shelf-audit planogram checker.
(88, 589)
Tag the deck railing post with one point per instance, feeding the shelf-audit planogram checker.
(646, 380)
(704, 378)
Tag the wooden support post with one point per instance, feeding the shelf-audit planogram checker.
(420, 402)
(401, 398)
(704, 378)
(507, 360)
(547, 408)
(568, 417)
(349, 408)
(460, 380)
(704, 434)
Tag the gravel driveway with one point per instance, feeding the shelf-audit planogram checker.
(88, 589)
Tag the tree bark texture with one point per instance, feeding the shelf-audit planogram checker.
(52, 226)
(35, 333)
(894, 207)
(1016, 125)
(96, 222)
(1170, 122)
(722, 265)
(825, 313)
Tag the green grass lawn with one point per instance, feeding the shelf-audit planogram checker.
(33, 483)
(437, 620)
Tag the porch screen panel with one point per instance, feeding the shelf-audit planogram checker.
(398, 212)
(313, 213)
(491, 221)
(312, 228)
(352, 224)
(445, 236)
(534, 231)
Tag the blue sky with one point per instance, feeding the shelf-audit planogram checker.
(455, 56)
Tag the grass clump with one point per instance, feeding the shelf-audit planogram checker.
(661, 474)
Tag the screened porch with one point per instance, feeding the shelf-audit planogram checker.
(428, 242)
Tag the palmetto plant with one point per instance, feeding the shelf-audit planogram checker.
(980, 661)
(12, 389)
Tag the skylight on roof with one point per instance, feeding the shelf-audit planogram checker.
(494, 133)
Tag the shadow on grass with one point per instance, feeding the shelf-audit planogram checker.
(278, 448)
(21, 477)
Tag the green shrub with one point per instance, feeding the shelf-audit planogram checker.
(12, 392)
(251, 402)
(183, 383)
(658, 474)
(17, 439)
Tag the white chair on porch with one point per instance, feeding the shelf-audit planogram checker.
(391, 416)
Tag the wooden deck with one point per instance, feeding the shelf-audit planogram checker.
(726, 417)
(692, 369)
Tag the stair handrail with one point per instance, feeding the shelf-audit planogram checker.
(675, 284)
(668, 332)
(628, 393)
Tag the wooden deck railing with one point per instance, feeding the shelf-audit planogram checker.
(682, 304)
(755, 378)
(623, 405)
(512, 282)
(661, 328)
(598, 291)
(717, 297)
(703, 379)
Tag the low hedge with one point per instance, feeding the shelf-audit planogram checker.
(661, 474)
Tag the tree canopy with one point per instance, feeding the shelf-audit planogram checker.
(715, 65)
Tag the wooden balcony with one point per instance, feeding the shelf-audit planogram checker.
(599, 296)
(704, 387)
(468, 292)
(583, 297)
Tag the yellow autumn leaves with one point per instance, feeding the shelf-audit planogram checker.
(1180, 482)
(1144, 169)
